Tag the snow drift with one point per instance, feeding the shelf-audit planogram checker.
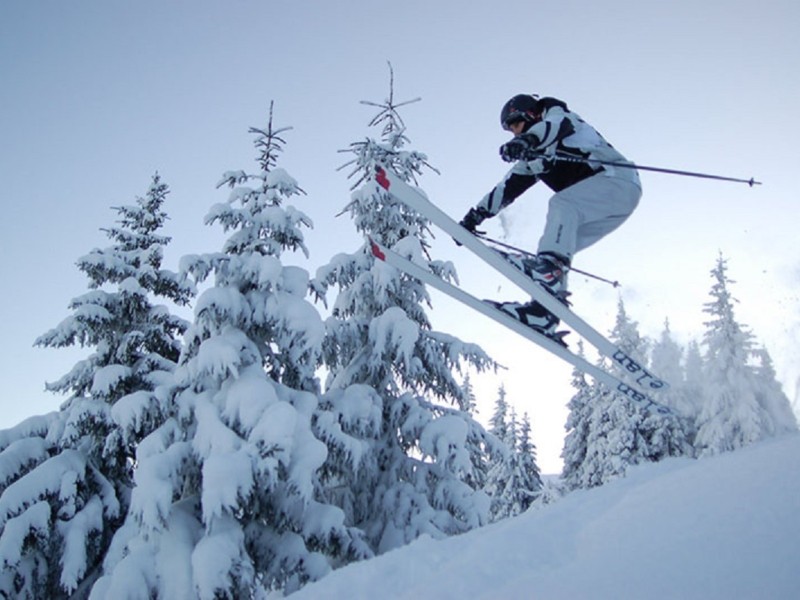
(722, 527)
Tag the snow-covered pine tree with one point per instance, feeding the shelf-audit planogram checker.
(418, 470)
(227, 501)
(666, 359)
(499, 481)
(501, 417)
(514, 480)
(694, 385)
(65, 478)
(552, 491)
(614, 435)
(611, 440)
(782, 419)
(734, 412)
(480, 445)
(577, 427)
(620, 432)
(469, 395)
(530, 474)
(664, 434)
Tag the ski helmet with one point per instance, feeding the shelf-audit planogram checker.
(521, 107)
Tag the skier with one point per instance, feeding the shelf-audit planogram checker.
(591, 200)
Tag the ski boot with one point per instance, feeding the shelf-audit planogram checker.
(535, 316)
(549, 271)
(546, 269)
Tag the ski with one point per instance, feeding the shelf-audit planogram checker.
(416, 200)
(552, 345)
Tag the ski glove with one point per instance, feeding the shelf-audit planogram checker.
(471, 220)
(517, 148)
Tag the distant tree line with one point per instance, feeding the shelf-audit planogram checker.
(723, 392)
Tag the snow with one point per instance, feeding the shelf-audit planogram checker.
(23, 452)
(227, 478)
(133, 582)
(159, 463)
(131, 286)
(217, 357)
(106, 379)
(32, 426)
(75, 533)
(175, 554)
(394, 330)
(35, 519)
(298, 315)
(262, 271)
(278, 178)
(716, 528)
(276, 429)
(223, 302)
(91, 309)
(248, 397)
(129, 410)
(40, 483)
(294, 280)
(444, 439)
(356, 408)
(217, 555)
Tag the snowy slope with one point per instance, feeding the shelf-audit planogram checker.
(726, 527)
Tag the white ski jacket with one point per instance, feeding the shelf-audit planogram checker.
(559, 132)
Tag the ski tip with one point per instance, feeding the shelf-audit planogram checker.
(376, 250)
(381, 178)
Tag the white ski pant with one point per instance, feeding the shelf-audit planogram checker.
(582, 214)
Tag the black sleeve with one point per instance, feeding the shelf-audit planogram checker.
(504, 193)
(516, 185)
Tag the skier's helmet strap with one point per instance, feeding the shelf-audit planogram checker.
(521, 107)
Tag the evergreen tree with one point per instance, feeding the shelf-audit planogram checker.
(65, 479)
(552, 491)
(227, 501)
(577, 427)
(499, 422)
(499, 482)
(739, 406)
(531, 476)
(666, 359)
(694, 387)
(663, 435)
(694, 370)
(479, 445)
(771, 397)
(420, 469)
(514, 480)
(620, 432)
(471, 404)
(615, 437)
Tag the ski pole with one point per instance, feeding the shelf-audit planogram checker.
(533, 255)
(627, 165)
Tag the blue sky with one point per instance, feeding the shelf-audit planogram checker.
(96, 96)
